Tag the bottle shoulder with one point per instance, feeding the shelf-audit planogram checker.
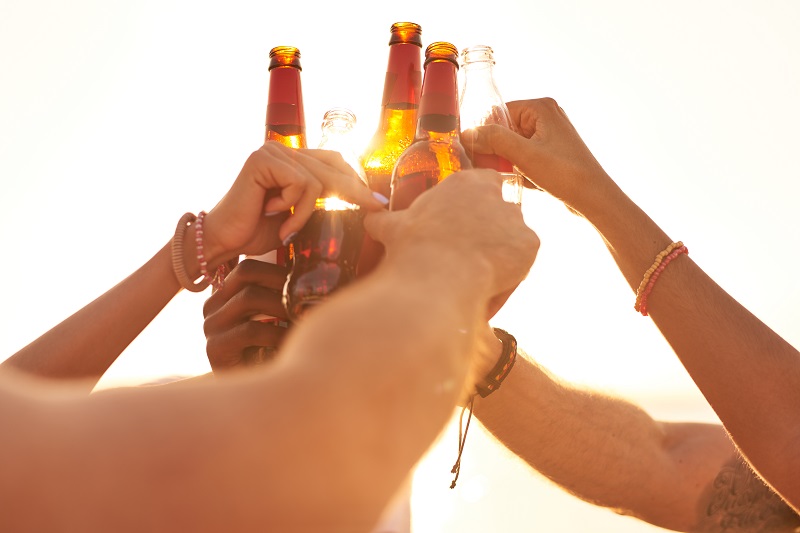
(432, 156)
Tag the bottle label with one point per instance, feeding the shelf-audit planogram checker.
(439, 89)
(404, 76)
(285, 103)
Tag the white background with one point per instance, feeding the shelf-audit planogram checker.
(118, 117)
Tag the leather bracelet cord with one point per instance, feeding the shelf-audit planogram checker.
(490, 383)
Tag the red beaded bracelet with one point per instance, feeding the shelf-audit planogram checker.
(656, 273)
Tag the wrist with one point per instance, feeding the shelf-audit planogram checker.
(443, 269)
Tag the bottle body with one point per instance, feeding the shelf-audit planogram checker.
(325, 254)
(285, 120)
(480, 103)
(327, 248)
(285, 123)
(401, 93)
(398, 122)
(436, 151)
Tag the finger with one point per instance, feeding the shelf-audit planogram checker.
(382, 225)
(496, 139)
(247, 272)
(252, 300)
(303, 208)
(344, 182)
(227, 349)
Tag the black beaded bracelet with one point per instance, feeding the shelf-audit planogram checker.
(495, 377)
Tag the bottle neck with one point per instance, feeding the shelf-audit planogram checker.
(285, 116)
(438, 112)
(401, 89)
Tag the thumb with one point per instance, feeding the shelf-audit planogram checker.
(381, 224)
(495, 139)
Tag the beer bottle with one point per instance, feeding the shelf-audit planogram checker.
(436, 151)
(399, 107)
(398, 122)
(480, 103)
(286, 121)
(326, 249)
(286, 124)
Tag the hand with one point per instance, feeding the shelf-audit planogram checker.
(462, 222)
(548, 149)
(274, 179)
(252, 288)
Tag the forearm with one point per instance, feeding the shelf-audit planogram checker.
(607, 451)
(748, 373)
(318, 440)
(84, 346)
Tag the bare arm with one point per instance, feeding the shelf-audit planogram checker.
(609, 452)
(318, 440)
(85, 345)
(748, 373)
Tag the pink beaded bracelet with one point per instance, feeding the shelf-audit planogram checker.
(655, 275)
(179, 268)
(218, 279)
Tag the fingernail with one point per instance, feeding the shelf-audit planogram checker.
(289, 238)
(381, 198)
(272, 213)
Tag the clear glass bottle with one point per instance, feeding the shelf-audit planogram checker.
(480, 103)
(327, 248)
(337, 135)
(436, 151)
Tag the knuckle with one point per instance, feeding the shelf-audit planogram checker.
(549, 102)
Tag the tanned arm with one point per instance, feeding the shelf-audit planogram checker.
(610, 452)
(317, 441)
(747, 372)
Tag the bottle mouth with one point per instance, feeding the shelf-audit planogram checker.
(340, 118)
(406, 32)
(476, 54)
(284, 56)
(441, 51)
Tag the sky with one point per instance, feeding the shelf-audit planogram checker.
(118, 117)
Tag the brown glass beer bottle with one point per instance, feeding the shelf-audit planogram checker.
(286, 124)
(398, 122)
(286, 121)
(437, 151)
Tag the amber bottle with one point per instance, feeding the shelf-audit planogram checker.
(286, 121)
(436, 151)
(285, 124)
(398, 122)
(401, 91)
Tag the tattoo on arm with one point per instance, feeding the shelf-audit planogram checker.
(741, 502)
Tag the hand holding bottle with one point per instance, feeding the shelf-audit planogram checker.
(463, 216)
(549, 150)
(274, 179)
(252, 287)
